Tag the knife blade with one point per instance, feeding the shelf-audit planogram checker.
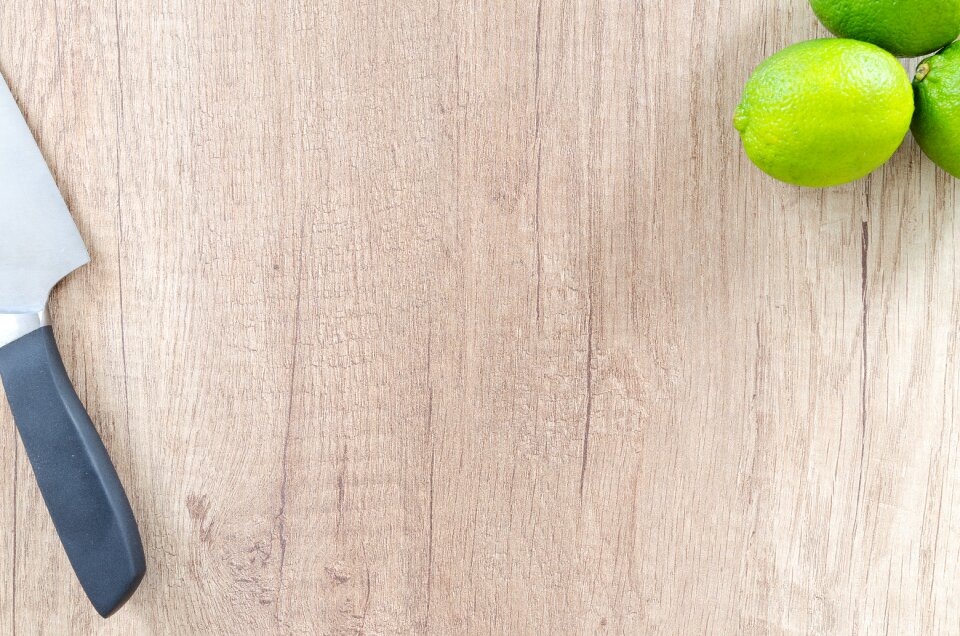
(39, 246)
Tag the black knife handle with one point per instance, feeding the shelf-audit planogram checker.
(79, 484)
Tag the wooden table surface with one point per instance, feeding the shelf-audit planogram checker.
(472, 318)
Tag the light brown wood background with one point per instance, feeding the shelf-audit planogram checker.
(461, 317)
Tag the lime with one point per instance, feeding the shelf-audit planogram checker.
(824, 112)
(936, 124)
(906, 28)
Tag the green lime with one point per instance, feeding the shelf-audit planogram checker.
(824, 112)
(936, 124)
(906, 28)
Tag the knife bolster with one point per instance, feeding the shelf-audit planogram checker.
(15, 326)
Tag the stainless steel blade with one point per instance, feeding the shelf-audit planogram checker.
(39, 242)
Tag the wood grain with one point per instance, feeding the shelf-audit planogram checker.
(472, 318)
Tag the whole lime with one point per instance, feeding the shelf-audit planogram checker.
(906, 28)
(936, 124)
(824, 112)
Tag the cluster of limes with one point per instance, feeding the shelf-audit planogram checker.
(825, 112)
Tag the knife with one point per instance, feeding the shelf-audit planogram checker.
(39, 246)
